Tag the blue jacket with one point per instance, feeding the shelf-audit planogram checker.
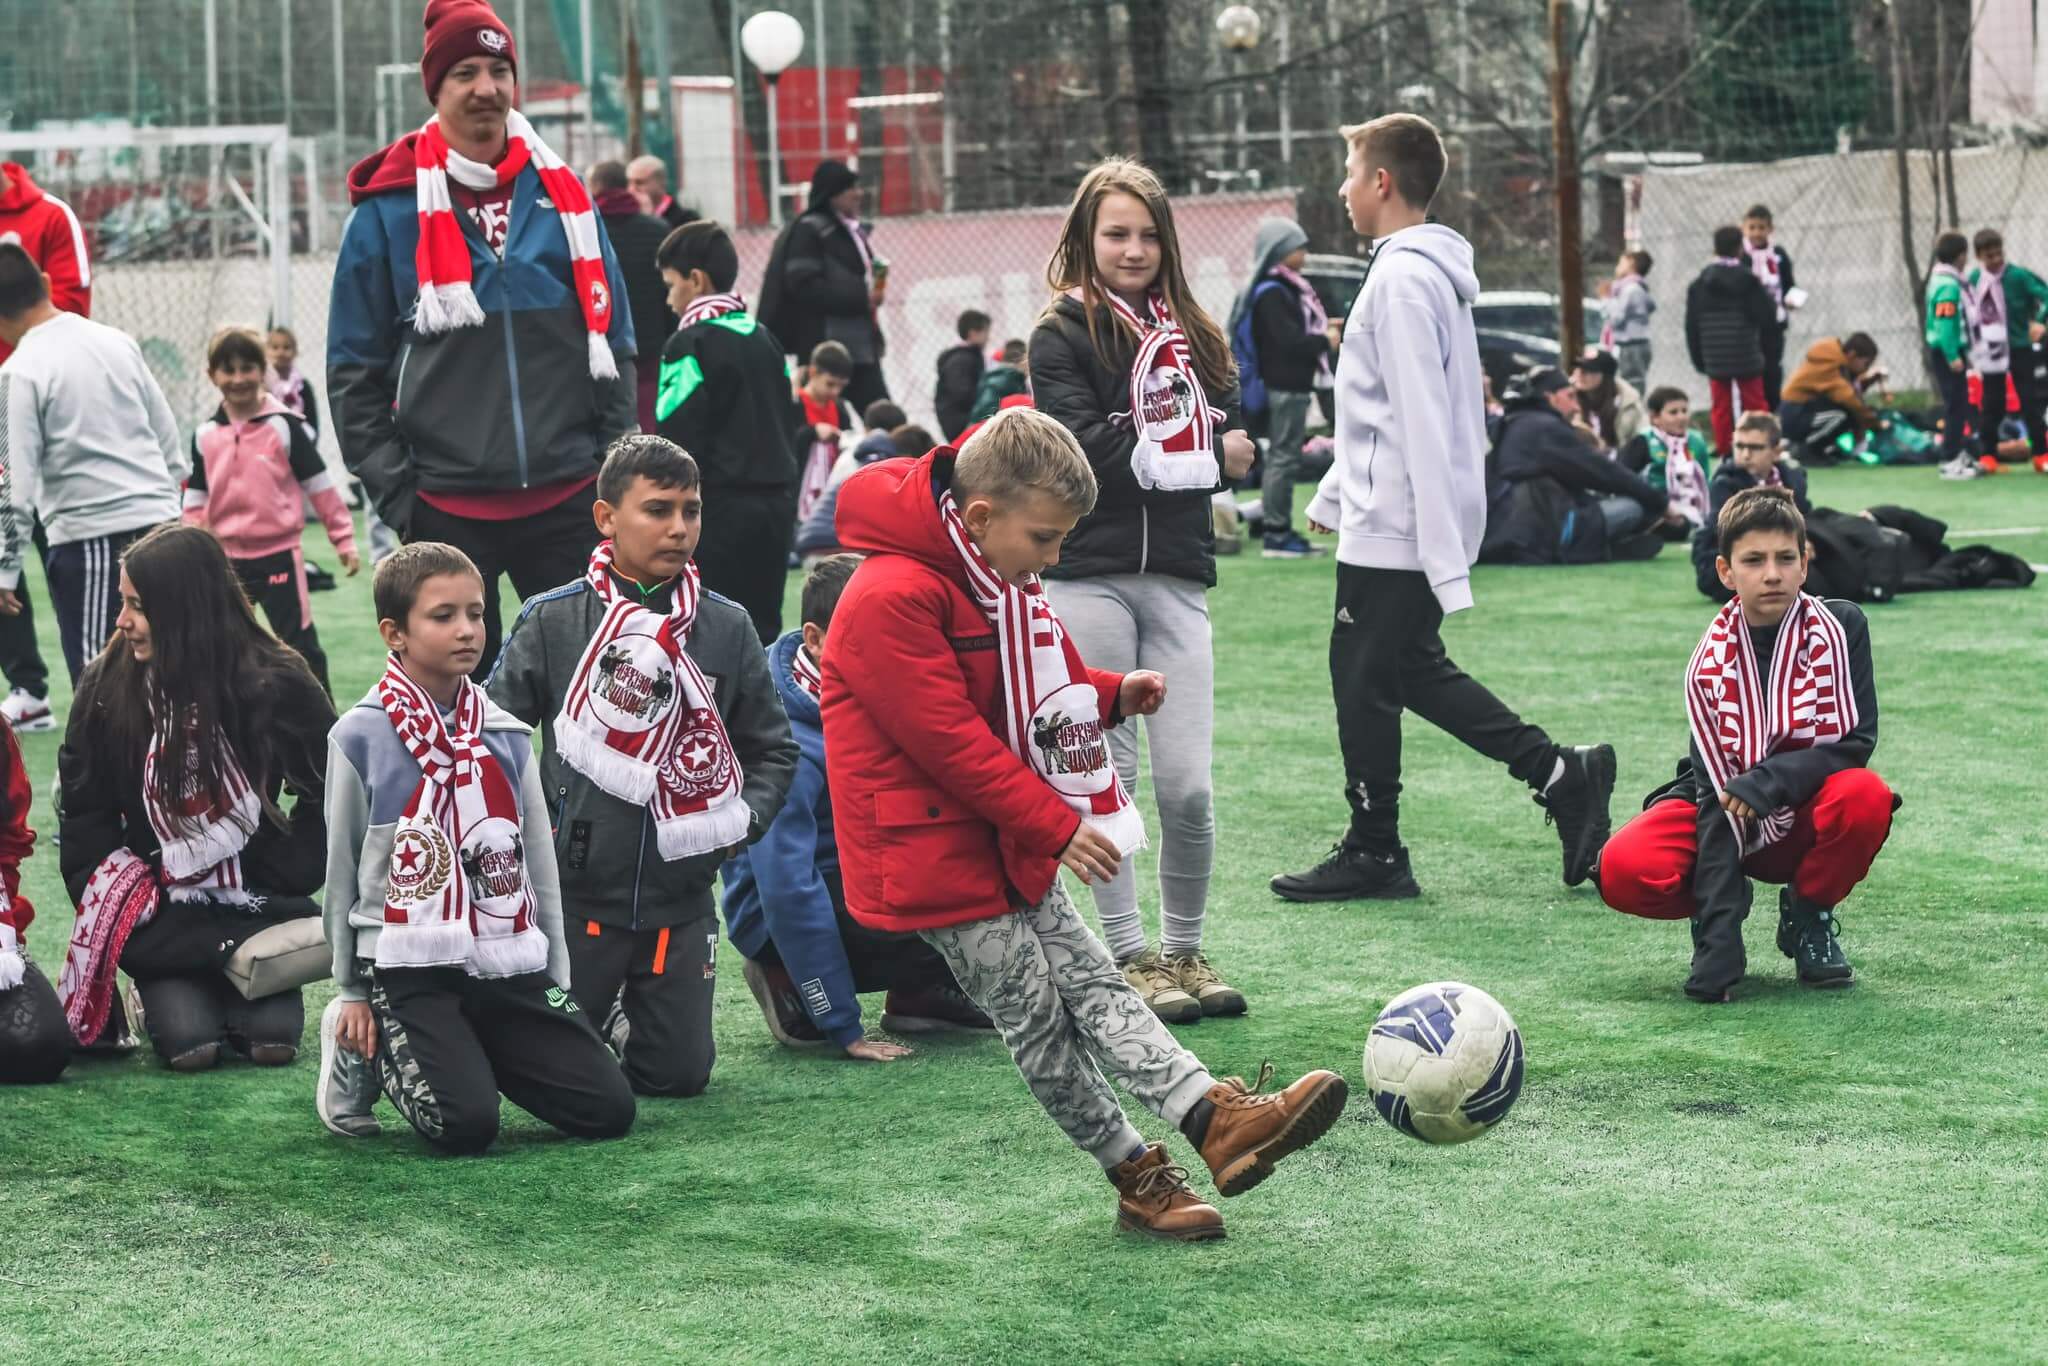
(777, 889)
(507, 404)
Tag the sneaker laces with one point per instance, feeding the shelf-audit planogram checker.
(1153, 974)
(1194, 971)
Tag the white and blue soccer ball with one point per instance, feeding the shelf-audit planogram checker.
(1443, 1062)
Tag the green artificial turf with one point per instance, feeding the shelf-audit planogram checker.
(1799, 1176)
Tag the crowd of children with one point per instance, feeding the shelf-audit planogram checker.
(889, 791)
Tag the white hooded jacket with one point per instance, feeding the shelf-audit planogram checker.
(1408, 489)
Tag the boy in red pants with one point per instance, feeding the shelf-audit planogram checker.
(1776, 786)
(964, 748)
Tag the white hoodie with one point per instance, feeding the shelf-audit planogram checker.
(1408, 489)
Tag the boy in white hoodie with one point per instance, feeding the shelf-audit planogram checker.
(1407, 496)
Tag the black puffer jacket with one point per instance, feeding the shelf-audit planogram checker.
(1543, 491)
(636, 237)
(1132, 530)
(816, 285)
(1727, 313)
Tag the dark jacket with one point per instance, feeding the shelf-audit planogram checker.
(1132, 530)
(1727, 313)
(960, 370)
(816, 288)
(1000, 381)
(1288, 352)
(103, 810)
(780, 891)
(1543, 491)
(611, 871)
(635, 237)
(1728, 480)
(724, 398)
(505, 405)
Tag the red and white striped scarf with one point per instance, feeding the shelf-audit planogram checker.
(446, 299)
(641, 721)
(1738, 719)
(120, 897)
(804, 671)
(1684, 480)
(815, 478)
(1170, 413)
(202, 843)
(705, 307)
(1315, 319)
(1988, 332)
(1051, 711)
(456, 891)
(1763, 263)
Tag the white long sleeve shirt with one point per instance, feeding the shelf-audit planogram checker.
(87, 439)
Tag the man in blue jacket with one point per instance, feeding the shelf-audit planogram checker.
(784, 910)
(476, 404)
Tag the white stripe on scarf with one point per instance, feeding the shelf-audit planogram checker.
(1176, 433)
(1315, 319)
(202, 844)
(804, 670)
(705, 307)
(1684, 480)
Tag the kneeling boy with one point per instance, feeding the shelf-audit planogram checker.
(785, 906)
(443, 909)
(665, 744)
(967, 761)
(1776, 787)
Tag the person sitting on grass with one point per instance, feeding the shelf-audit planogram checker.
(785, 906)
(1777, 785)
(444, 911)
(664, 740)
(819, 413)
(1755, 462)
(965, 751)
(175, 846)
(1673, 459)
(35, 1040)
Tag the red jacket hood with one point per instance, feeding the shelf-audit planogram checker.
(21, 190)
(387, 169)
(888, 507)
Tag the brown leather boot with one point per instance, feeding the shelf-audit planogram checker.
(1156, 1199)
(1248, 1131)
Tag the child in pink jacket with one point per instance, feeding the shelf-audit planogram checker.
(253, 466)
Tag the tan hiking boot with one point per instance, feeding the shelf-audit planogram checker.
(1155, 1199)
(1199, 980)
(1249, 1131)
(1158, 985)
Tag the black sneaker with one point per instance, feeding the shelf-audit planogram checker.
(1577, 803)
(1817, 955)
(1788, 925)
(1350, 874)
(933, 1010)
(1640, 545)
(781, 1007)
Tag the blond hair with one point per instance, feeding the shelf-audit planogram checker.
(1405, 146)
(1020, 449)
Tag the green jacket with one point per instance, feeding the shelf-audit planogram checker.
(2026, 298)
(1945, 314)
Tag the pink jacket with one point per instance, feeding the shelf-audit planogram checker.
(250, 481)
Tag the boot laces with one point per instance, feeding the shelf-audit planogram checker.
(1161, 1182)
(1250, 1095)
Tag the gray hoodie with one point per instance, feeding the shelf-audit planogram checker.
(1408, 489)
(1275, 238)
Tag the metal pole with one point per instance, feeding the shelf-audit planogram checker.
(1565, 152)
(340, 85)
(519, 26)
(1286, 106)
(589, 79)
(280, 194)
(947, 150)
(1243, 152)
(1909, 255)
(212, 64)
(774, 157)
(397, 41)
(284, 19)
(818, 31)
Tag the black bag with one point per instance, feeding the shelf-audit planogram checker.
(1856, 558)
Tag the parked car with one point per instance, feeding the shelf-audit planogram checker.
(1517, 329)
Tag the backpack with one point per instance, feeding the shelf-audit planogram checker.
(1860, 560)
(1244, 349)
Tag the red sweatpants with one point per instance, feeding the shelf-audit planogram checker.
(1733, 398)
(1646, 868)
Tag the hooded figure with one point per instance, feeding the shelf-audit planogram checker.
(821, 280)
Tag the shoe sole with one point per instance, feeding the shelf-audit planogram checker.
(1828, 983)
(1192, 1235)
(930, 1024)
(1600, 771)
(1310, 1123)
(764, 997)
(1286, 554)
(329, 1046)
(1225, 1004)
(1402, 891)
(1186, 1013)
(36, 727)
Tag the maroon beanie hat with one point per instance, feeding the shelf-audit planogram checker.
(459, 29)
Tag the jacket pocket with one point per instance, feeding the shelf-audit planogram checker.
(936, 854)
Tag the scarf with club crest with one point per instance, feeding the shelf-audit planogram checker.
(1169, 412)
(202, 843)
(1990, 342)
(1739, 719)
(640, 719)
(1684, 480)
(120, 897)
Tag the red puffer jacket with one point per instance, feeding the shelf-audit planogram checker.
(937, 819)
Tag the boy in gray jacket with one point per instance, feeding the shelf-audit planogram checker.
(1407, 497)
(665, 750)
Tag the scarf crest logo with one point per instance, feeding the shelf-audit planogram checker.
(1067, 735)
(491, 39)
(600, 297)
(1169, 403)
(420, 863)
(632, 686)
(494, 868)
(701, 763)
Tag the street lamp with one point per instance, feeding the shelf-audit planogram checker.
(1237, 27)
(772, 40)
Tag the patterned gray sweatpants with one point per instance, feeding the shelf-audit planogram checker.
(1068, 1016)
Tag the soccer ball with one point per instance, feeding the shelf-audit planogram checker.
(1443, 1062)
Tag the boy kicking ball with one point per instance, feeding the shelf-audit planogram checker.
(965, 754)
(1783, 712)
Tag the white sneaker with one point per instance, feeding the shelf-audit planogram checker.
(1962, 467)
(27, 713)
(349, 1084)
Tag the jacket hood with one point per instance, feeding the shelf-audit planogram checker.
(21, 190)
(1445, 249)
(1275, 238)
(831, 178)
(388, 168)
(1827, 351)
(801, 708)
(888, 507)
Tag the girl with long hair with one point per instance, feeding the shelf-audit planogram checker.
(184, 734)
(1128, 361)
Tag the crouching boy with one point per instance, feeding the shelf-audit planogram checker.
(1783, 711)
(666, 747)
(443, 909)
(967, 762)
(785, 906)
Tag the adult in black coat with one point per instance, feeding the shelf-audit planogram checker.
(1551, 499)
(636, 237)
(823, 283)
